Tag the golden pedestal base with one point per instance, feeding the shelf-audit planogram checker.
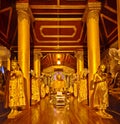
(14, 114)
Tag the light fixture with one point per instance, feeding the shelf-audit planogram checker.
(58, 61)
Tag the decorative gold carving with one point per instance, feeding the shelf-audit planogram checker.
(112, 21)
(23, 6)
(58, 6)
(23, 14)
(111, 9)
(67, 48)
(23, 11)
(82, 86)
(94, 5)
(17, 97)
(58, 27)
(100, 94)
(93, 11)
(58, 19)
(35, 87)
(38, 53)
(58, 85)
(93, 14)
(61, 19)
(75, 89)
(79, 55)
(66, 69)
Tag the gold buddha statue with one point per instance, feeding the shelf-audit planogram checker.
(59, 85)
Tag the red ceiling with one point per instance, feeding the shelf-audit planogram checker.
(58, 22)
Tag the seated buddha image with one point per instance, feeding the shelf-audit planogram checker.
(59, 85)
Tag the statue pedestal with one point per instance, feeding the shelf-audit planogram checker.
(16, 114)
(59, 99)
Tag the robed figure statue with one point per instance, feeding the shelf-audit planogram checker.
(100, 94)
(17, 99)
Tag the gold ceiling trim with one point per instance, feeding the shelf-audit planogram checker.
(55, 51)
(67, 49)
(58, 19)
(57, 6)
(112, 32)
(55, 41)
(66, 69)
(9, 9)
(58, 27)
(60, 13)
(112, 39)
(110, 9)
(49, 46)
(107, 6)
(109, 19)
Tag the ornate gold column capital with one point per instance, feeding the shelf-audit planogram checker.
(93, 11)
(94, 6)
(79, 55)
(24, 11)
(38, 53)
(23, 6)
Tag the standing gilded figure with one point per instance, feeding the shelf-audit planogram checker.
(16, 90)
(100, 94)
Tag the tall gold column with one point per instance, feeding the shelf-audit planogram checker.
(80, 62)
(8, 64)
(24, 43)
(80, 65)
(93, 42)
(40, 56)
(37, 62)
(118, 21)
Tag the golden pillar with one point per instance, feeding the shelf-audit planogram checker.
(118, 21)
(80, 63)
(80, 66)
(93, 42)
(8, 64)
(37, 63)
(24, 43)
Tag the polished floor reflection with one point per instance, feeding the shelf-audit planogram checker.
(73, 113)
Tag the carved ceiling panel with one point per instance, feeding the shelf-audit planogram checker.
(58, 25)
